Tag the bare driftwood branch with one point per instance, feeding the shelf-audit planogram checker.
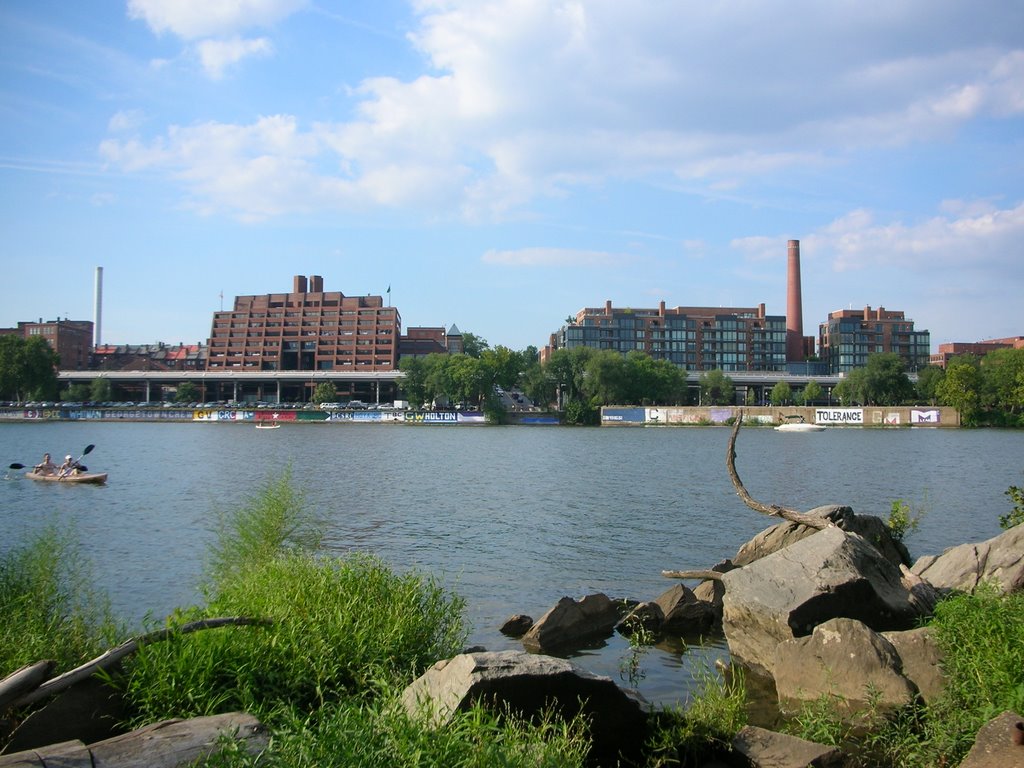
(774, 510)
(702, 575)
(109, 658)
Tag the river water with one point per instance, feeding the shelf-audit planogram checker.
(511, 518)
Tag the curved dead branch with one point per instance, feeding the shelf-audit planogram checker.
(109, 658)
(773, 510)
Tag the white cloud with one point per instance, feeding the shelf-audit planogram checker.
(526, 101)
(195, 19)
(983, 235)
(218, 55)
(125, 121)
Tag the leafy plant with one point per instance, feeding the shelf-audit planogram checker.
(1016, 515)
(714, 715)
(903, 519)
(48, 609)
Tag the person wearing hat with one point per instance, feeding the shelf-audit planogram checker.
(69, 467)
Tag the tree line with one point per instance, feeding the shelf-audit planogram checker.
(986, 391)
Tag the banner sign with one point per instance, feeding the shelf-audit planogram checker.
(431, 417)
(624, 415)
(840, 416)
(932, 416)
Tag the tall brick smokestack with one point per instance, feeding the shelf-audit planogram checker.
(794, 307)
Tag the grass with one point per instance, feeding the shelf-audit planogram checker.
(48, 609)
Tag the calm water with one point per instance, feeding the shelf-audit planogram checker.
(512, 518)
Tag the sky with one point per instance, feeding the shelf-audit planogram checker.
(501, 164)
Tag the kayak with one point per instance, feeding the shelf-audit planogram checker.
(84, 477)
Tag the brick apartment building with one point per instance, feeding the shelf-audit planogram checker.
(976, 349)
(70, 339)
(849, 336)
(307, 329)
(695, 338)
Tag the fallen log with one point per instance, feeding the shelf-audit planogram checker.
(109, 658)
(25, 679)
(702, 575)
(167, 744)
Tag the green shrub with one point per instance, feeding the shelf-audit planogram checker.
(902, 519)
(47, 608)
(706, 728)
(1016, 515)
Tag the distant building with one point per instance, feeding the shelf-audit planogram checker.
(849, 336)
(976, 349)
(149, 357)
(695, 338)
(70, 339)
(307, 329)
(429, 340)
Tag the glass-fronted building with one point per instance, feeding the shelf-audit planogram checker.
(694, 338)
(849, 336)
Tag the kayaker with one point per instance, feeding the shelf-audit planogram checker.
(69, 467)
(46, 466)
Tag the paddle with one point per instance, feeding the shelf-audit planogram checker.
(86, 452)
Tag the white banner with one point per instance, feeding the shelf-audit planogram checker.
(839, 416)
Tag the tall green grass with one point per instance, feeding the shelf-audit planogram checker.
(48, 608)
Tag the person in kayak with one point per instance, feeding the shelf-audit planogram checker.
(46, 466)
(68, 468)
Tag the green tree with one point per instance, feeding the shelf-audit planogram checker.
(567, 368)
(503, 366)
(325, 392)
(811, 393)
(928, 379)
(781, 394)
(886, 380)
(538, 385)
(101, 391)
(716, 388)
(960, 389)
(187, 393)
(414, 381)
(852, 388)
(606, 380)
(473, 345)
(28, 368)
(75, 393)
(1002, 380)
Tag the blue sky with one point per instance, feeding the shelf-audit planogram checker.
(502, 164)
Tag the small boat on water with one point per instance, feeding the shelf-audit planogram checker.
(93, 478)
(271, 425)
(799, 426)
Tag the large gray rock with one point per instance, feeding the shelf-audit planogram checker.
(828, 575)
(683, 612)
(870, 527)
(767, 749)
(846, 661)
(962, 568)
(921, 659)
(998, 744)
(528, 684)
(571, 622)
